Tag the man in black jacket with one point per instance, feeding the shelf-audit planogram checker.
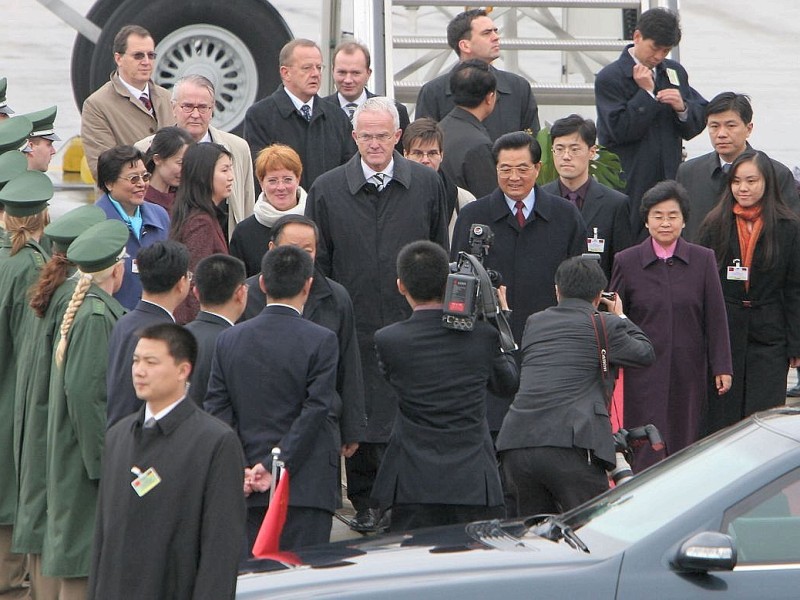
(555, 443)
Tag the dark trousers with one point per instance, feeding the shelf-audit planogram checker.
(549, 480)
(304, 527)
(361, 469)
(416, 516)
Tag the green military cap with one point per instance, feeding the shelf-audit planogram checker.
(44, 123)
(12, 163)
(99, 247)
(14, 132)
(4, 108)
(65, 229)
(27, 194)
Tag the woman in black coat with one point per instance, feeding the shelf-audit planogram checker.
(756, 240)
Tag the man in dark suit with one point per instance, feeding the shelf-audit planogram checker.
(296, 116)
(219, 284)
(533, 232)
(729, 119)
(646, 107)
(472, 34)
(328, 305)
(273, 379)
(165, 281)
(467, 146)
(366, 210)
(606, 212)
(439, 467)
(555, 444)
(351, 71)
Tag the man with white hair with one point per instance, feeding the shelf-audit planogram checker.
(367, 210)
(193, 107)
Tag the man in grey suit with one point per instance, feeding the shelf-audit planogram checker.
(219, 284)
(606, 211)
(729, 119)
(555, 444)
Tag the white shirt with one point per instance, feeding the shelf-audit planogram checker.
(134, 92)
(148, 414)
(285, 305)
(343, 102)
(298, 103)
(388, 172)
(161, 307)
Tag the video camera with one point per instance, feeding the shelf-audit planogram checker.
(471, 292)
(625, 441)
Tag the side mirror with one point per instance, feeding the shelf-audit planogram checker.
(706, 551)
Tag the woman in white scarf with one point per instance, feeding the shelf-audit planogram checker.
(278, 169)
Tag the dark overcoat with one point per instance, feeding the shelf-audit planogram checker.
(608, 211)
(329, 305)
(764, 325)
(646, 134)
(273, 379)
(441, 451)
(361, 233)
(323, 143)
(678, 304)
(182, 539)
(515, 110)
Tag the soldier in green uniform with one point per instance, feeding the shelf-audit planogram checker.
(77, 409)
(49, 299)
(39, 149)
(13, 133)
(5, 109)
(21, 257)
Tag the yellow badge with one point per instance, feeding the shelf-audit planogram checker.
(144, 482)
(672, 75)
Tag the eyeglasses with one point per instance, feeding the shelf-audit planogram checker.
(521, 170)
(571, 150)
(379, 137)
(274, 181)
(137, 179)
(189, 276)
(141, 55)
(188, 109)
(668, 218)
(309, 68)
(123, 255)
(417, 154)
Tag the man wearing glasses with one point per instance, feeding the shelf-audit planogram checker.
(130, 106)
(367, 210)
(193, 108)
(606, 211)
(534, 231)
(297, 116)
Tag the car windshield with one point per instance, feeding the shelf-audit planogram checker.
(651, 500)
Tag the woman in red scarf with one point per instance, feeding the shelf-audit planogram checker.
(756, 239)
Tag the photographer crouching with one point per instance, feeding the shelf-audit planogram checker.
(555, 443)
(439, 467)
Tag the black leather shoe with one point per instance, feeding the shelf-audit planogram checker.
(793, 392)
(365, 521)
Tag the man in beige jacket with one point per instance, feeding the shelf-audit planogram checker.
(193, 107)
(130, 106)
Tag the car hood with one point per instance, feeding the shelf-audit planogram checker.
(406, 561)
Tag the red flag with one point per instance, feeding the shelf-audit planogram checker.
(267, 544)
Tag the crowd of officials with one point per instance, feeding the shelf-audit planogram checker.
(226, 295)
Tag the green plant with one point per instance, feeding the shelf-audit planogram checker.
(604, 167)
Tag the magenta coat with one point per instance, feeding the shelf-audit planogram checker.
(678, 303)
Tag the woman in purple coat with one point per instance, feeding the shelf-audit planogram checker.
(671, 289)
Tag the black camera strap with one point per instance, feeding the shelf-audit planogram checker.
(606, 375)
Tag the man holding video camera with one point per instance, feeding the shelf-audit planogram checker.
(555, 444)
(439, 467)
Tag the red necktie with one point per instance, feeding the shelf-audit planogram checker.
(520, 205)
(147, 104)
